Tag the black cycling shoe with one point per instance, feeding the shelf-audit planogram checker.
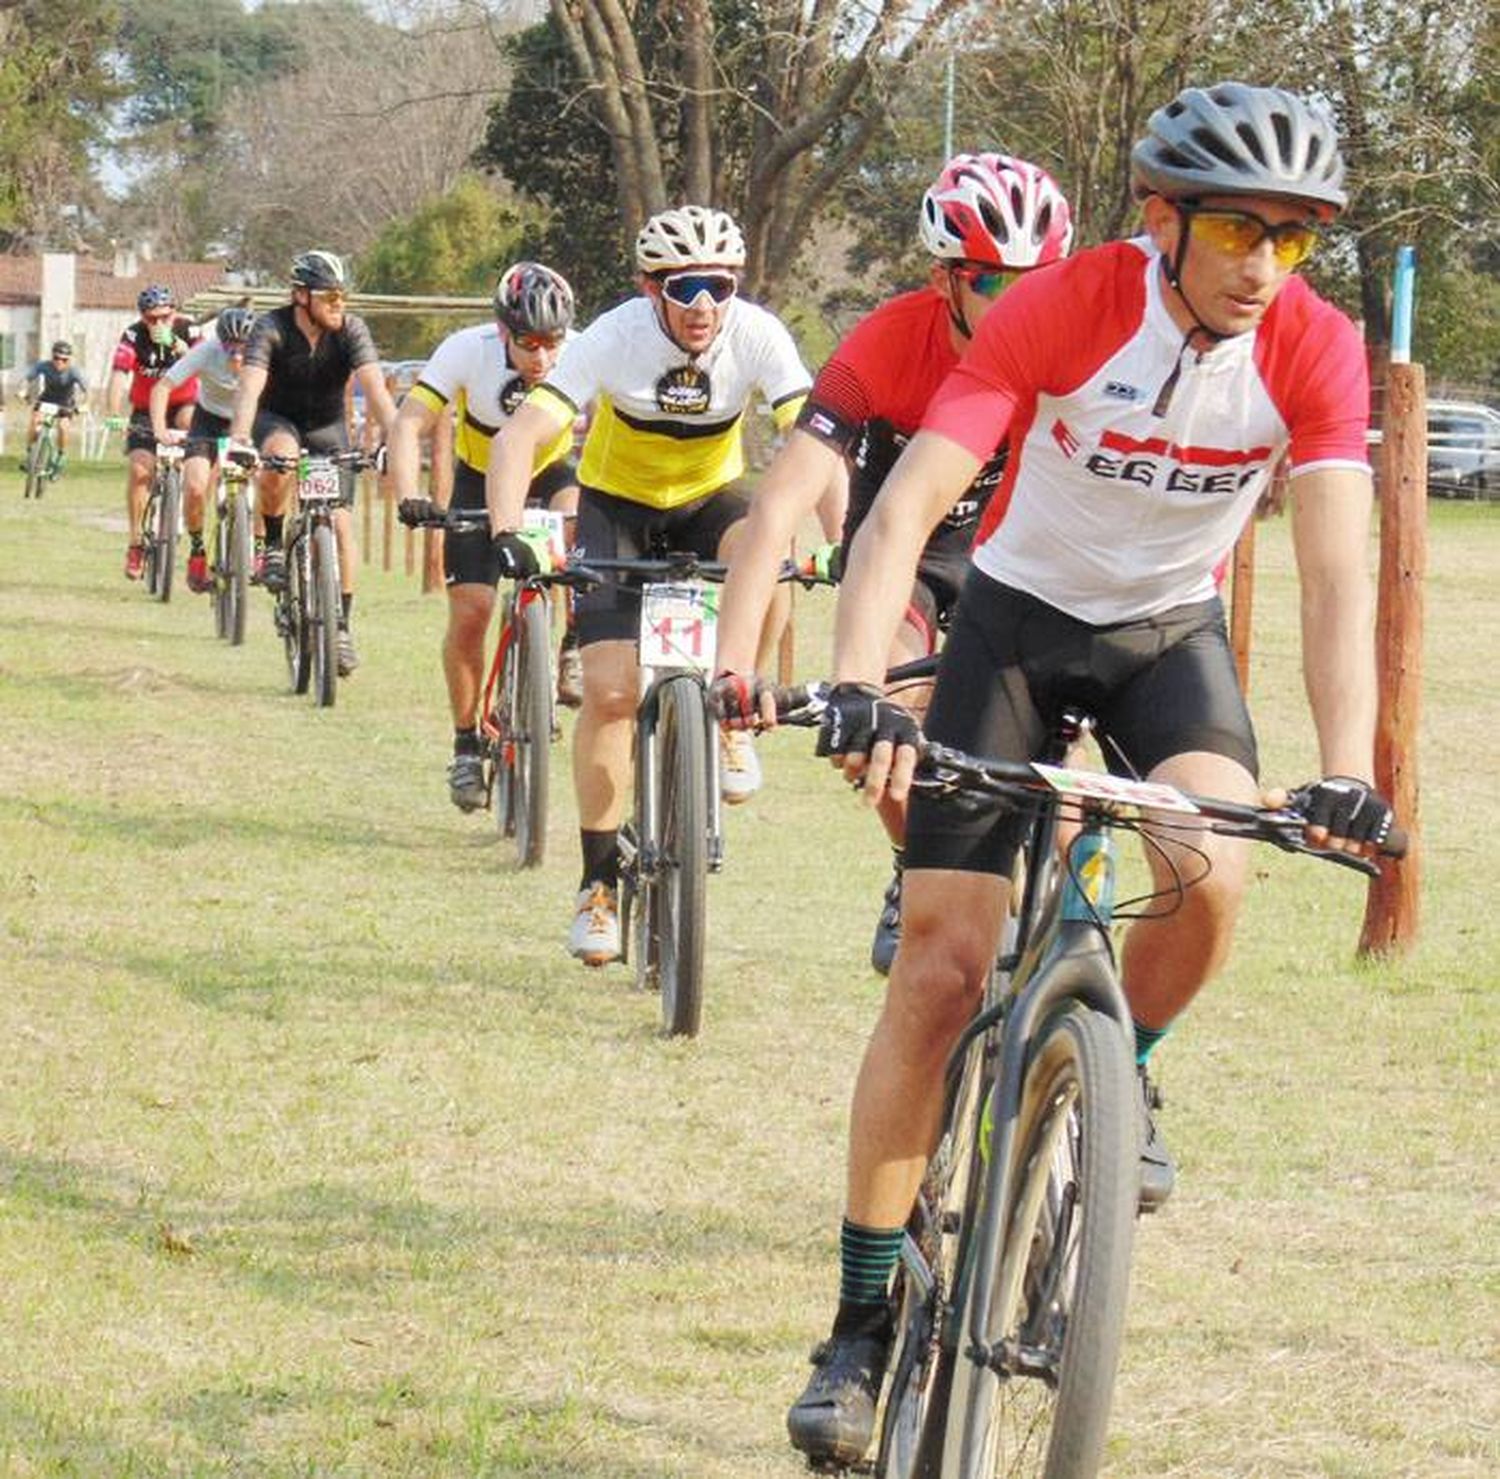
(833, 1420)
(1158, 1169)
(888, 928)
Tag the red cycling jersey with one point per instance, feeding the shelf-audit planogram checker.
(1135, 462)
(145, 361)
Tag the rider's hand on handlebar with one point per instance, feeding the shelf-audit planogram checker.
(743, 701)
(172, 436)
(242, 454)
(522, 552)
(871, 738)
(415, 512)
(1343, 814)
(380, 458)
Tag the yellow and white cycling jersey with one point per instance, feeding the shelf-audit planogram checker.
(470, 369)
(666, 424)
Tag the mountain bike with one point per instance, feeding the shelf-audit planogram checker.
(233, 545)
(1008, 1303)
(674, 836)
(309, 602)
(517, 723)
(43, 454)
(162, 520)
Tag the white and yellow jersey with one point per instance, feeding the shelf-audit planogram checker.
(471, 370)
(666, 424)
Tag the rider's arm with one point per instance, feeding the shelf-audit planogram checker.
(161, 393)
(440, 478)
(1331, 535)
(787, 495)
(513, 453)
(377, 397)
(414, 421)
(119, 389)
(246, 398)
(927, 480)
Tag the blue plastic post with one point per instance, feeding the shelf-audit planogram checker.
(1406, 278)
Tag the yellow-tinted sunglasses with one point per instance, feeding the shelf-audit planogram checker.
(1238, 233)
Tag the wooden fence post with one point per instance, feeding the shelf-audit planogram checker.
(1393, 908)
(1392, 911)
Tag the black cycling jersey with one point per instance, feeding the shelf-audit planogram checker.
(57, 387)
(306, 383)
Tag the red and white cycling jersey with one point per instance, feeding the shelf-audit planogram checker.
(1112, 512)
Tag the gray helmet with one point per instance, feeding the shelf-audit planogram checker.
(62, 349)
(233, 325)
(1233, 139)
(317, 270)
(532, 299)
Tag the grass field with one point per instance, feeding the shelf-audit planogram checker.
(318, 1157)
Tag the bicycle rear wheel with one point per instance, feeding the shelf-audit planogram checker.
(1057, 1312)
(677, 907)
(241, 558)
(325, 617)
(168, 516)
(917, 1395)
(526, 735)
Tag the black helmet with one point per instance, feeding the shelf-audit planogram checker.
(1233, 139)
(532, 299)
(62, 349)
(158, 295)
(233, 325)
(318, 270)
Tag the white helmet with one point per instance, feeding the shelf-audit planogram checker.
(998, 211)
(689, 236)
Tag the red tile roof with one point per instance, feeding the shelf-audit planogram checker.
(96, 286)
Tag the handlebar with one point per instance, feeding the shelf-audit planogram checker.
(943, 768)
(355, 458)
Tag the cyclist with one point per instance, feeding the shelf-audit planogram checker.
(670, 374)
(290, 396)
(484, 373)
(57, 384)
(985, 221)
(215, 361)
(1148, 388)
(147, 349)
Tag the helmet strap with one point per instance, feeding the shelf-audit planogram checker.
(956, 316)
(1171, 268)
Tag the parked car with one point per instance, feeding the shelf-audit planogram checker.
(1463, 450)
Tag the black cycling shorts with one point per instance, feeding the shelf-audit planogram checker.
(611, 528)
(1157, 687)
(138, 434)
(204, 433)
(469, 557)
(322, 439)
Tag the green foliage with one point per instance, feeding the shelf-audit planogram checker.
(454, 246)
(54, 88)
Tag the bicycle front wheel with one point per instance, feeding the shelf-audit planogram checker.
(168, 516)
(325, 617)
(221, 598)
(241, 558)
(37, 457)
(1056, 1321)
(529, 733)
(679, 897)
(294, 619)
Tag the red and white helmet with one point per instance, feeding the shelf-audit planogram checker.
(997, 211)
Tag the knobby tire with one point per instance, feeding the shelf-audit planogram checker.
(325, 617)
(1063, 1265)
(168, 516)
(678, 900)
(532, 735)
(241, 558)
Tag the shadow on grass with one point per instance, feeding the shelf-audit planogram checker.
(130, 680)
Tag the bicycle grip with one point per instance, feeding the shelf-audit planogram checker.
(1395, 843)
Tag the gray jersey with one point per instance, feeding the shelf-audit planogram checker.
(217, 378)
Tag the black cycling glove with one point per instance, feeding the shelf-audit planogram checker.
(1350, 809)
(858, 716)
(517, 554)
(417, 512)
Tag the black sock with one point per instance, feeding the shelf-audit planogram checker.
(195, 541)
(601, 857)
(346, 601)
(273, 529)
(466, 741)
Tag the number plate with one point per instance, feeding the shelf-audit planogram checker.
(320, 483)
(1097, 786)
(553, 522)
(679, 626)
